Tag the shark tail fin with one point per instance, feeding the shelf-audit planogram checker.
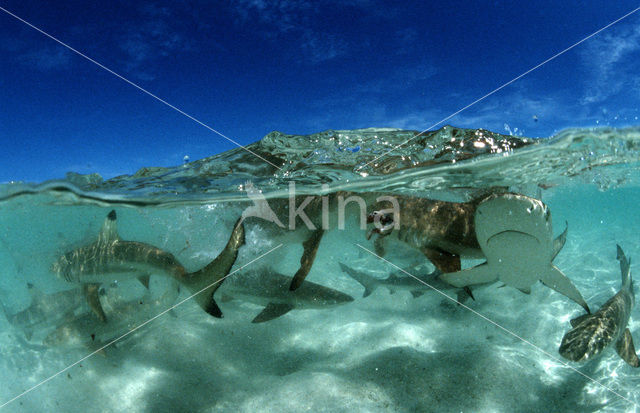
(369, 283)
(204, 283)
(625, 268)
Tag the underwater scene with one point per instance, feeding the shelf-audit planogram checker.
(466, 270)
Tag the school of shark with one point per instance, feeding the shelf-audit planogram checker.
(511, 232)
(112, 278)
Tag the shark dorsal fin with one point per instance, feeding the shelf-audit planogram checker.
(109, 231)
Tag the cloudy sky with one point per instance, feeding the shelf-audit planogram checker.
(248, 67)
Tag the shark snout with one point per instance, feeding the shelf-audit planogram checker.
(342, 298)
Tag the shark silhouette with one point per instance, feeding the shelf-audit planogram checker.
(516, 237)
(111, 258)
(592, 333)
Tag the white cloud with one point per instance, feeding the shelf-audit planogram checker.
(155, 35)
(282, 15)
(294, 18)
(612, 61)
(48, 58)
(320, 47)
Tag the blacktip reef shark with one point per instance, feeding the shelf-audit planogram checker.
(516, 237)
(512, 232)
(85, 331)
(110, 259)
(271, 289)
(592, 333)
(45, 309)
(394, 283)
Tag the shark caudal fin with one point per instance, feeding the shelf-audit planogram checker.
(206, 281)
(368, 282)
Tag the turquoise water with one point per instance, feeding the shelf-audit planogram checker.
(384, 352)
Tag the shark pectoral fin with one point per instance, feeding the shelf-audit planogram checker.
(462, 296)
(467, 291)
(271, 311)
(308, 256)
(417, 293)
(93, 299)
(444, 261)
(144, 280)
(626, 350)
(479, 274)
(559, 241)
(556, 280)
(526, 290)
(366, 281)
(574, 322)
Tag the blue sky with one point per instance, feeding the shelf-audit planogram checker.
(248, 67)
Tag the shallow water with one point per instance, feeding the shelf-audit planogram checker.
(385, 352)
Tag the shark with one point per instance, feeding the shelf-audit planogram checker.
(444, 231)
(513, 232)
(83, 330)
(110, 258)
(593, 333)
(45, 309)
(394, 283)
(271, 290)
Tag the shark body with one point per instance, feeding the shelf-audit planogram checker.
(111, 258)
(593, 333)
(83, 330)
(518, 253)
(515, 235)
(271, 290)
(46, 310)
(394, 283)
